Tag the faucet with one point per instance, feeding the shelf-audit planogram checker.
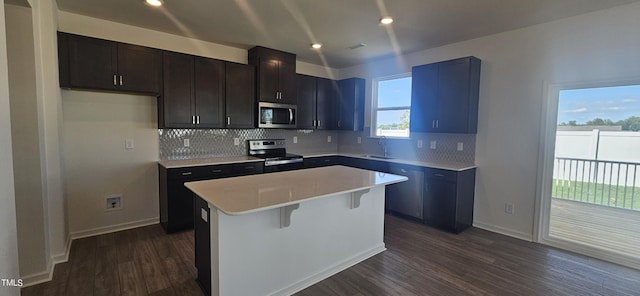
(383, 141)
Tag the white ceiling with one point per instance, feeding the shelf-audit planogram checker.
(291, 25)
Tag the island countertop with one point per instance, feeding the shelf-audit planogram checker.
(247, 194)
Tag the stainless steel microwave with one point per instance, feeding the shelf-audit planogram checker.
(272, 115)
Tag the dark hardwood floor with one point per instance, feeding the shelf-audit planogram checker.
(419, 261)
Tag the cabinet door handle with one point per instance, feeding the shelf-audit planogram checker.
(228, 120)
(318, 123)
(216, 171)
(120, 79)
(433, 124)
(249, 168)
(115, 82)
(198, 119)
(437, 123)
(314, 123)
(338, 123)
(187, 173)
(438, 175)
(193, 120)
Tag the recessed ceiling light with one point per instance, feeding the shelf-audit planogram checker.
(154, 2)
(386, 20)
(316, 45)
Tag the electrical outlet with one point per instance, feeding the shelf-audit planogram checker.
(186, 143)
(113, 202)
(295, 140)
(460, 146)
(419, 144)
(432, 144)
(236, 141)
(359, 140)
(129, 144)
(508, 208)
(328, 139)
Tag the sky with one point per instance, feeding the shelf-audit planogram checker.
(392, 93)
(615, 103)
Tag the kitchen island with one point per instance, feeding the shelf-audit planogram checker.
(276, 234)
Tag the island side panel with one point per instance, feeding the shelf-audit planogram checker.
(253, 255)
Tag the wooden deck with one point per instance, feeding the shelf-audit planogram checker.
(602, 227)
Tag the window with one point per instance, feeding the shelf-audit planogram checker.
(391, 106)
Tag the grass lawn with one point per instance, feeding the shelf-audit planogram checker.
(597, 193)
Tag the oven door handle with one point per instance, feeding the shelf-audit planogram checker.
(290, 116)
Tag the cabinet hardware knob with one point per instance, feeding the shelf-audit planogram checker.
(114, 80)
(438, 175)
(249, 168)
(228, 120)
(193, 120)
(120, 79)
(318, 123)
(187, 173)
(216, 171)
(198, 119)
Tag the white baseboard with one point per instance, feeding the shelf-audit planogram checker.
(505, 231)
(47, 275)
(113, 228)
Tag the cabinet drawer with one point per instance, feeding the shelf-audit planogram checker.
(444, 175)
(217, 171)
(248, 168)
(191, 173)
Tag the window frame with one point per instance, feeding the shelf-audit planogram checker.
(375, 109)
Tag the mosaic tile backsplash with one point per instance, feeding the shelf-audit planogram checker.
(220, 142)
(204, 143)
(445, 151)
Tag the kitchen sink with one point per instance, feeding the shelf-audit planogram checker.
(377, 156)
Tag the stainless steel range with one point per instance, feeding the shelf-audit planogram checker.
(274, 153)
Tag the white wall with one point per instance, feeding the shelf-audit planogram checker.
(515, 66)
(32, 236)
(97, 164)
(49, 130)
(8, 236)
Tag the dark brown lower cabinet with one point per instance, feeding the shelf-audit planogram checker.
(176, 201)
(448, 199)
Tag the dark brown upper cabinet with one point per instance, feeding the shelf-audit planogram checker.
(444, 96)
(97, 64)
(275, 75)
(193, 92)
(350, 107)
(240, 96)
(316, 102)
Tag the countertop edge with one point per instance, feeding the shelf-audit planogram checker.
(271, 207)
(174, 164)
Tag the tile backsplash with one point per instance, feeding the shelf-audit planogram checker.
(205, 143)
(446, 146)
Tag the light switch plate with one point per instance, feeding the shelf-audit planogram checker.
(432, 144)
(236, 141)
(129, 144)
(295, 140)
(186, 143)
(460, 146)
(419, 144)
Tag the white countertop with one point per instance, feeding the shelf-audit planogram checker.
(452, 166)
(171, 164)
(247, 194)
